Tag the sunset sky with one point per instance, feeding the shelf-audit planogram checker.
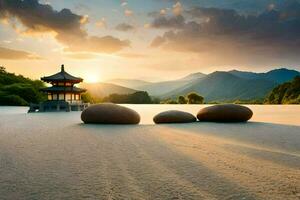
(150, 40)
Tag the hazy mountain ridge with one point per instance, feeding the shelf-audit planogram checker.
(161, 88)
(217, 86)
(100, 90)
(224, 86)
(277, 75)
(194, 76)
(129, 83)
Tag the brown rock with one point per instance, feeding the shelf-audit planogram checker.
(225, 113)
(108, 113)
(174, 116)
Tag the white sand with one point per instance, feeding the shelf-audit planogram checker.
(55, 156)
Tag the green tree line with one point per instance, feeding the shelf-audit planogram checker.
(136, 98)
(139, 97)
(142, 97)
(16, 90)
(191, 98)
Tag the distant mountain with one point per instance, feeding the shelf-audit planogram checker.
(278, 75)
(217, 86)
(281, 75)
(224, 86)
(161, 88)
(130, 83)
(286, 93)
(246, 75)
(194, 76)
(100, 90)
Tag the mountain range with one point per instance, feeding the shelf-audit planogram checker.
(278, 75)
(159, 88)
(129, 83)
(217, 86)
(100, 90)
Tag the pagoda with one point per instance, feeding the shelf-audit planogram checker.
(62, 95)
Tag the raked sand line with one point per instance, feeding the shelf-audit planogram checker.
(58, 157)
(265, 178)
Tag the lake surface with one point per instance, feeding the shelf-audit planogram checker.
(282, 114)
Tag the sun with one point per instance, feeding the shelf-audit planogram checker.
(91, 78)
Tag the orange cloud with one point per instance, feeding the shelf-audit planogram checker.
(128, 13)
(124, 27)
(39, 18)
(11, 54)
(81, 56)
(177, 9)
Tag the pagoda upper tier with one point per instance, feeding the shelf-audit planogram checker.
(62, 77)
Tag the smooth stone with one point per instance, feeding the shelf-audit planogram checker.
(174, 116)
(225, 113)
(108, 113)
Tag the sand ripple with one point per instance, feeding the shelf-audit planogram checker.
(56, 157)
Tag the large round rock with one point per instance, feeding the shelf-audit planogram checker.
(174, 116)
(107, 113)
(225, 113)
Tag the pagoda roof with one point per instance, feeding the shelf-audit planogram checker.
(63, 89)
(62, 76)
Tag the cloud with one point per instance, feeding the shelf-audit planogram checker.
(11, 54)
(128, 13)
(163, 12)
(132, 55)
(158, 41)
(242, 6)
(81, 56)
(101, 23)
(67, 26)
(107, 44)
(124, 3)
(124, 27)
(177, 9)
(168, 22)
(226, 34)
(159, 13)
(147, 26)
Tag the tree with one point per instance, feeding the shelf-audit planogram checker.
(18, 90)
(286, 93)
(87, 98)
(135, 98)
(12, 100)
(194, 98)
(168, 101)
(182, 100)
(156, 100)
(2, 69)
(140, 97)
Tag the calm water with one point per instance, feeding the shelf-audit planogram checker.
(5, 110)
(282, 114)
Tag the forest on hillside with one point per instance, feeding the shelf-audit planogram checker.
(16, 90)
(286, 93)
